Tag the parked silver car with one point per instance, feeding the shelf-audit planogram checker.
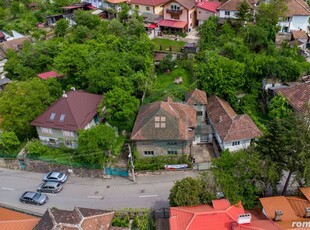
(52, 187)
(55, 177)
(33, 198)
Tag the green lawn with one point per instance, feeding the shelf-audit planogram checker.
(165, 87)
(165, 44)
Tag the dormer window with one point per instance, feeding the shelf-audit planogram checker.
(62, 117)
(160, 122)
(175, 6)
(52, 117)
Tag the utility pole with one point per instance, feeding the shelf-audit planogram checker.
(130, 156)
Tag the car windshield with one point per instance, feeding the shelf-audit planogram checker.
(60, 175)
(36, 196)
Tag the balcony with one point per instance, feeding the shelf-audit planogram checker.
(174, 12)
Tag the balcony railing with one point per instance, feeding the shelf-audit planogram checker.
(175, 12)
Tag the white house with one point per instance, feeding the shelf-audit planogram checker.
(233, 132)
(296, 16)
(229, 9)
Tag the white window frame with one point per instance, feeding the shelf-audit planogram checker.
(66, 133)
(235, 143)
(227, 13)
(46, 130)
(148, 153)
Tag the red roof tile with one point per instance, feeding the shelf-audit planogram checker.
(203, 217)
(77, 109)
(306, 192)
(299, 34)
(299, 204)
(196, 97)
(232, 5)
(209, 6)
(148, 2)
(298, 95)
(297, 8)
(47, 75)
(229, 125)
(172, 23)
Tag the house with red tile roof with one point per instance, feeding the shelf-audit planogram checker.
(78, 218)
(232, 131)
(205, 9)
(171, 128)
(297, 95)
(49, 74)
(221, 215)
(12, 220)
(59, 124)
(229, 9)
(148, 6)
(284, 211)
(296, 16)
(179, 16)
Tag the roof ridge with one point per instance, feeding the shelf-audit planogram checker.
(72, 114)
(19, 220)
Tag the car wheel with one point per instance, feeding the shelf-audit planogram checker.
(23, 202)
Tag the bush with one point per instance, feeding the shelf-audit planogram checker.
(159, 162)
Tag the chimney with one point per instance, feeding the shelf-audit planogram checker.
(220, 119)
(278, 215)
(73, 88)
(307, 213)
(244, 218)
(64, 95)
(169, 100)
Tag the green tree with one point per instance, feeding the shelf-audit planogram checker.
(243, 13)
(121, 108)
(8, 141)
(20, 103)
(283, 145)
(61, 27)
(190, 192)
(95, 145)
(84, 18)
(238, 175)
(279, 108)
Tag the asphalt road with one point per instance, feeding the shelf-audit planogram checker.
(115, 193)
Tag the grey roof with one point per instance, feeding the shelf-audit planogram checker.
(4, 81)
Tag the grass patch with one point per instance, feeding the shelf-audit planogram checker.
(166, 44)
(165, 87)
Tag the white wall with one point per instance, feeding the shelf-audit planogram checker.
(143, 8)
(95, 3)
(296, 23)
(243, 145)
(233, 14)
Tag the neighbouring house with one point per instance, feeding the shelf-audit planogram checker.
(297, 95)
(179, 16)
(205, 9)
(13, 44)
(218, 216)
(147, 6)
(59, 124)
(12, 220)
(95, 3)
(301, 36)
(285, 210)
(190, 47)
(296, 16)
(49, 74)
(78, 218)
(172, 128)
(52, 19)
(229, 9)
(233, 132)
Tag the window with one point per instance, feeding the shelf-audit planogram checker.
(52, 117)
(199, 113)
(52, 141)
(175, 16)
(236, 143)
(68, 143)
(227, 13)
(160, 122)
(287, 19)
(46, 130)
(148, 8)
(190, 16)
(67, 133)
(172, 143)
(172, 152)
(136, 6)
(62, 117)
(174, 6)
(285, 29)
(148, 153)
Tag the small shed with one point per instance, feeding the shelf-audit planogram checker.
(190, 48)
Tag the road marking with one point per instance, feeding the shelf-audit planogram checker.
(148, 196)
(11, 189)
(94, 197)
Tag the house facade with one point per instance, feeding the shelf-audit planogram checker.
(229, 9)
(179, 16)
(172, 128)
(233, 132)
(205, 9)
(296, 16)
(147, 6)
(59, 124)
